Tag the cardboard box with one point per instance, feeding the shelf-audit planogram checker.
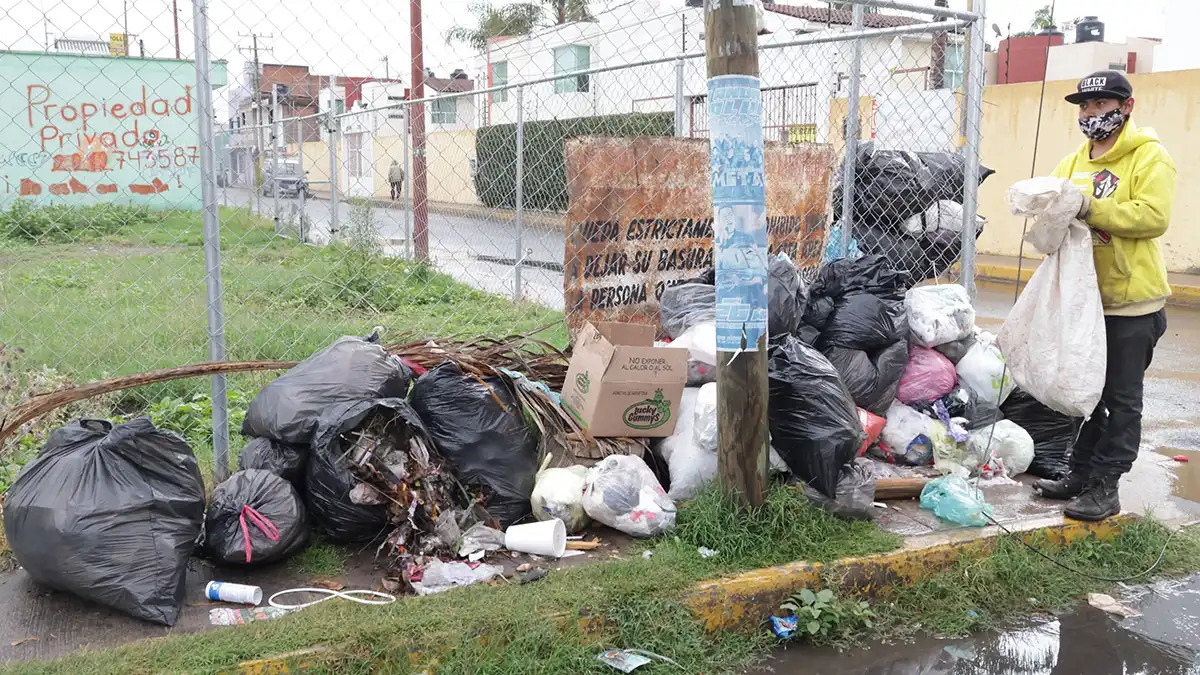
(620, 384)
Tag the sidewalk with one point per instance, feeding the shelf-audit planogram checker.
(1185, 288)
(545, 219)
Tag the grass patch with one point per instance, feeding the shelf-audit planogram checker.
(320, 559)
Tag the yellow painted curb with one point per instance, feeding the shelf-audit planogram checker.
(292, 662)
(745, 600)
(1181, 293)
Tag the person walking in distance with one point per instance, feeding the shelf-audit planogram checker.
(396, 180)
(1128, 181)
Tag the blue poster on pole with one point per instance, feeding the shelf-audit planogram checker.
(740, 210)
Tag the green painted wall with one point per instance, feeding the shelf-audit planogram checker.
(85, 129)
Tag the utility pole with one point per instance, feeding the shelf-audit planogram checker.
(125, 8)
(740, 248)
(419, 180)
(256, 184)
(175, 14)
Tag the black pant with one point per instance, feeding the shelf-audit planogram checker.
(397, 189)
(1108, 443)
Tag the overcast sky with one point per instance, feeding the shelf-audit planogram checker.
(351, 37)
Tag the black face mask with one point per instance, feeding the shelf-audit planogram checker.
(1100, 127)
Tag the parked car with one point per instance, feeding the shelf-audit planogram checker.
(290, 182)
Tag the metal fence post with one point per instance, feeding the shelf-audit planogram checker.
(408, 214)
(974, 102)
(212, 243)
(679, 99)
(519, 260)
(850, 161)
(333, 173)
(275, 128)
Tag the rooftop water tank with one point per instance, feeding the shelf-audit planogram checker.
(1089, 29)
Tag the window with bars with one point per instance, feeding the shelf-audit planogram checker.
(569, 59)
(444, 110)
(953, 69)
(355, 161)
(500, 79)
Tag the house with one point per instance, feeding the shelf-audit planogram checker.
(798, 81)
(1030, 58)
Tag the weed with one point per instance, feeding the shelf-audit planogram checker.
(58, 223)
(827, 619)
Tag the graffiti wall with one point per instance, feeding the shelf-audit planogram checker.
(82, 129)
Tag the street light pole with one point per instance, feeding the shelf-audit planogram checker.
(739, 206)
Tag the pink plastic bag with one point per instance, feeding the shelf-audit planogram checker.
(928, 376)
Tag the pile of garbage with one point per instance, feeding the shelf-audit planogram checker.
(905, 205)
(878, 378)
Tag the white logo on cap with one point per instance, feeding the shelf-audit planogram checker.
(1094, 83)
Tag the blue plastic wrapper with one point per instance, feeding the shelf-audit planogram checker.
(952, 498)
(785, 627)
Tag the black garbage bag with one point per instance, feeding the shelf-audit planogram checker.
(891, 185)
(814, 424)
(786, 296)
(1053, 433)
(902, 251)
(110, 514)
(351, 369)
(255, 518)
(686, 305)
(282, 459)
(477, 425)
(345, 508)
(942, 249)
(947, 170)
(873, 377)
(855, 492)
(866, 322)
(874, 274)
(979, 412)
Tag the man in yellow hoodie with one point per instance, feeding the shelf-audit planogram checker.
(1128, 181)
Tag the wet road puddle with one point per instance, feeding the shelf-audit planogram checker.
(1165, 640)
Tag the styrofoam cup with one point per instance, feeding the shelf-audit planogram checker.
(545, 537)
(224, 591)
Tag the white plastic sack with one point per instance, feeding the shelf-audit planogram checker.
(691, 465)
(1054, 337)
(701, 342)
(1008, 442)
(558, 493)
(622, 492)
(706, 417)
(907, 437)
(938, 314)
(982, 369)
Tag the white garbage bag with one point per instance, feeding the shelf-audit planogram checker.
(1054, 337)
(701, 342)
(939, 314)
(558, 493)
(706, 417)
(1008, 442)
(692, 465)
(622, 493)
(982, 369)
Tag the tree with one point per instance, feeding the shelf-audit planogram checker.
(493, 22)
(569, 11)
(1042, 19)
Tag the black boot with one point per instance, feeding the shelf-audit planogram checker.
(1098, 501)
(1069, 486)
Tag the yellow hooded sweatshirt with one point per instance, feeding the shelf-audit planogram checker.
(1132, 189)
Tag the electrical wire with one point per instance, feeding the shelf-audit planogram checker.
(1161, 555)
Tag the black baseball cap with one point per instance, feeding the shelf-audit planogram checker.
(1103, 84)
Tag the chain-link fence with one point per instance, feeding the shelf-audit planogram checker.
(251, 180)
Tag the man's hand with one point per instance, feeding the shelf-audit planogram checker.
(1084, 206)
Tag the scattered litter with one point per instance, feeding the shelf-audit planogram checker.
(582, 545)
(534, 575)
(706, 552)
(558, 493)
(1109, 604)
(628, 660)
(480, 539)
(228, 616)
(241, 594)
(646, 555)
(22, 641)
(952, 498)
(524, 567)
(785, 627)
(961, 653)
(1181, 458)
(362, 597)
(543, 537)
(442, 576)
(328, 584)
(572, 553)
(973, 614)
